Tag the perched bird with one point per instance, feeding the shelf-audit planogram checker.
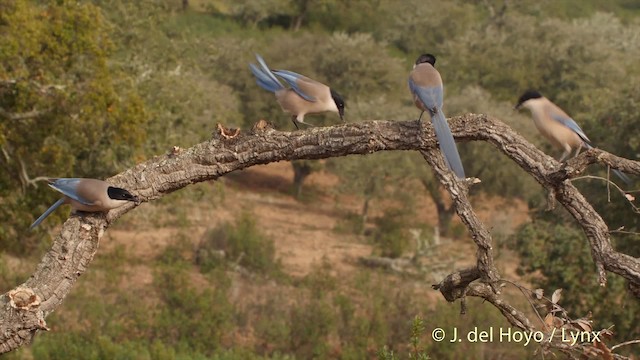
(426, 86)
(88, 195)
(558, 127)
(305, 95)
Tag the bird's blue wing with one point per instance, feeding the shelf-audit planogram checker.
(264, 77)
(264, 80)
(431, 97)
(292, 79)
(69, 186)
(267, 71)
(568, 122)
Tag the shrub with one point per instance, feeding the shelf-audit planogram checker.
(240, 242)
(391, 236)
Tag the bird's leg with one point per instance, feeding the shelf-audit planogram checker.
(578, 151)
(295, 122)
(306, 123)
(564, 155)
(420, 117)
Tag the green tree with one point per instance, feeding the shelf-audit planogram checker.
(613, 129)
(559, 252)
(251, 12)
(184, 76)
(373, 178)
(63, 111)
(563, 60)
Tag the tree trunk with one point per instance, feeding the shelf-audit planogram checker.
(445, 213)
(296, 21)
(301, 170)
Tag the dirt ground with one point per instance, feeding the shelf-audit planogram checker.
(303, 232)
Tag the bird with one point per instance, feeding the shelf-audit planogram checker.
(89, 195)
(558, 127)
(304, 96)
(427, 89)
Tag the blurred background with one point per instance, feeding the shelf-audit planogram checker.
(329, 259)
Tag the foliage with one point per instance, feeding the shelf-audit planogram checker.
(391, 235)
(417, 331)
(311, 325)
(90, 88)
(561, 255)
(550, 55)
(251, 12)
(613, 127)
(242, 242)
(414, 29)
(63, 111)
(187, 316)
(178, 315)
(499, 176)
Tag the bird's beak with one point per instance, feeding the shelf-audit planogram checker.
(517, 107)
(341, 113)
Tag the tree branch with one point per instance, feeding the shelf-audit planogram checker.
(21, 116)
(459, 193)
(544, 170)
(76, 244)
(514, 316)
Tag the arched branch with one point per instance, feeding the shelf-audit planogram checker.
(23, 313)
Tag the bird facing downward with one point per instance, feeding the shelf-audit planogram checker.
(558, 127)
(305, 95)
(553, 123)
(90, 195)
(427, 89)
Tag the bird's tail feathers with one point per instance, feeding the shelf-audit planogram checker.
(447, 144)
(47, 213)
(626, 179)
(622, 176)
(264, 76)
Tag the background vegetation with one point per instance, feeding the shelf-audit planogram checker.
(90, 88)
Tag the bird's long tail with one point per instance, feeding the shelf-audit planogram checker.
(47, 213)
(264, 77)
(626, 179)
(447, 144)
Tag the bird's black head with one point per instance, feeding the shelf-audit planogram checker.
(426, 58)
(528, 95)
(116, 193)
(337, 98)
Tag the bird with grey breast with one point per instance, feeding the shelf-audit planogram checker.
(89, 195)
(304, 96)
(558, 127)
(426, 86)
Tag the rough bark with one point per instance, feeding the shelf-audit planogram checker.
(23, 310)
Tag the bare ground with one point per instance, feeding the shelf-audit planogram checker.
(303, 232)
